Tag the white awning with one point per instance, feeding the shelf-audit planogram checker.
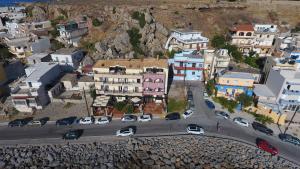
(135, 99)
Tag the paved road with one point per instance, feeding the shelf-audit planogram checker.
(203, 116)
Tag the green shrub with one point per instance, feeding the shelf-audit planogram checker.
(244, 99)
(88, 46)
(176, 12)
(120, 106)
(218, 41)
(96, 22)
(176, 105)
(262, 118)
(210, 87)
(129, 109)
(229, 104)
(54, 33)
(114, 10)
(135, 37)
(55, 45)
(139, 17)
(171, 53)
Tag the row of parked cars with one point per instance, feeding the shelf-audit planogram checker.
(260, 127)
(28, 122)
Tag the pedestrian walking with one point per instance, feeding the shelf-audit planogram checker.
(218, 126)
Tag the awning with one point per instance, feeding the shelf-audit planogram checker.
(135, 100)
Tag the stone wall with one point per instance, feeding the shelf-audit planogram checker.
(164, 152)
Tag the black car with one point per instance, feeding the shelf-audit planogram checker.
(72, 134)
(190, 95)
(172, 116)
(17, 123)
(66, 121)
(262, 128)
(289, 138)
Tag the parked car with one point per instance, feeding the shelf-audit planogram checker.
(127, 131)
(205, 95)
(86, 120)
(241, 121)
(187, 113)
(102, 120)
(66, 121)
(191, 105)
(262, 128)
(290, 139)
(35, 123)
(17, 123)
(194, 129)
(222, 114)
(145, 117)
(128, 118)
(190, 95)
(266, 146)
(72, 134)
(172, 116)
(210, 104)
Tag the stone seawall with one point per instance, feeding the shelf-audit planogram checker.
(148, 152)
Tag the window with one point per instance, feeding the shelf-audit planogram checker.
(227, 81)
(178, 72)
(241, 34)
(193, 64)
(248, 34)
(181, 64)
(193, 73)
(138, 80)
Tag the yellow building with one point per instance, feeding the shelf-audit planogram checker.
(230, 84)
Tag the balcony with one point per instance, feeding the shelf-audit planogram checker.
(156, 91)
(291, 92)
(121, 92)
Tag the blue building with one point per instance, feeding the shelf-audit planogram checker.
(187, 65)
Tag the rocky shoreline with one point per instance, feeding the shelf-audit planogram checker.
(151, 152)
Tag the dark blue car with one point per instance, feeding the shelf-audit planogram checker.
(66, 121)
(209, 104)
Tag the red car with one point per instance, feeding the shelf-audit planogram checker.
(266, 146)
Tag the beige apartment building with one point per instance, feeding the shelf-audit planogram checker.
(125, 78)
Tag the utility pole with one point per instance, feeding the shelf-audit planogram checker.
(287, 127)
(86, 102)
(184, 72)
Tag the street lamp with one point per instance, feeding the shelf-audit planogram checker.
(291, 119)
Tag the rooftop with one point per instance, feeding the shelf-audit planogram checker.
(238, 75)
(85, 79)
(235, 68)
(263, 90)
(189, 54)
(243, 27)
(39, 55)
(189, 36)
(38, 70)
(69, 77)
(66, 51)
(132, 63)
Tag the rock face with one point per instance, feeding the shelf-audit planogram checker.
(153, 34)
(164, 152)
(39, 14)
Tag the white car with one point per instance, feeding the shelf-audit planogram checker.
(187, 113)
(194, 129)
(35, 123)
(102, 120)
(128, 118)
(145, 118)
(86, 120)
(241, 121)
(205, 95)
(222, 114)
(125, 132)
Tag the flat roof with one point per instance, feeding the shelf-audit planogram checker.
(263, 90)
(238, 75)
(38, 70)
(66, 51)
(68, 77)
(85, 79)
(38, 55)
(132, 63)
(235, 68)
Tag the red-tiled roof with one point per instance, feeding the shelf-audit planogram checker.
(244, 27)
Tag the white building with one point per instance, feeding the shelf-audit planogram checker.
(31, 92)
(264, 40)
(282, 88)
(27, 45)
(68, 58)
(184, 40)
(38, 58)
(215, 61)
(71, 32)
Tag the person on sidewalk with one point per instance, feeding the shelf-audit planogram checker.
(218, 126)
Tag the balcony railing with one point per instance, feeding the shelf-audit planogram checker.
(291, 92)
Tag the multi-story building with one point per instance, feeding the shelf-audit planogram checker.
(30, 93)
(264, 40)
(68, 58)
(231, 84)
(215, 61)
(38, 58)
(281, 89)
(131, 78)
(187, 65)
(27, 45)
(71, 32)
(242, 36)
(184, 40)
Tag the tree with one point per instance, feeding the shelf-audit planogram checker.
(135, 37)
(210, 87)
(244, 99)
(139, 17)
(171, 53)
(218, 41)
(93, 93)
(229, 104)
